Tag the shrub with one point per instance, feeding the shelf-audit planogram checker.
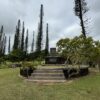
(2, 60)
(17, 55)
(27, 69)
(84, 71)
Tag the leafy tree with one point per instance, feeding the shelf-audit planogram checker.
(63, 46)
(17, 55)
(47, 42)
(80, 9)
(79, 50)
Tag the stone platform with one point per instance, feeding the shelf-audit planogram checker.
(56, 74)
(48, 74)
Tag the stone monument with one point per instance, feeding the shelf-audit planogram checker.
(53, 58)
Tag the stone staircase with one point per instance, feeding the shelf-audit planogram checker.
(48, 75)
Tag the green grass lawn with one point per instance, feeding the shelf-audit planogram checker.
(12, 87)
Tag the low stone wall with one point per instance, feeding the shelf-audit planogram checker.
(26, 71)
(68, 72)
(84, 71)
(72, 72)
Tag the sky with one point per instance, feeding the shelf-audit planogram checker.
(59, 14)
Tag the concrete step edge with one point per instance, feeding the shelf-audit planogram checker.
(48, 77)
(47, 81)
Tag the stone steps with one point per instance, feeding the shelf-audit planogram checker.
(48, 71)
(47, 78)
(46, 81)
(47, 74)
(55, 74)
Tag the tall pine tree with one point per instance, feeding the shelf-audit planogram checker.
(22, 38)
(80, 9)
(15, 46)
(32, 46)
(47, 41)
(9, 46)
(2, 41)
(26, 42)
(1, 32)
(17, 37)
(4, 45)
(40, 32)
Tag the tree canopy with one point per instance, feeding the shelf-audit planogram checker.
(79, 50)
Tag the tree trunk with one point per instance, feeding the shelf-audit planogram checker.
(82, 21)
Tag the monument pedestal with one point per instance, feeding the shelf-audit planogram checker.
(54, 60)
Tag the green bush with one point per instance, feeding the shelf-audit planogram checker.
(36, 63)
(17, 55)
(2, 60)
(27, 64)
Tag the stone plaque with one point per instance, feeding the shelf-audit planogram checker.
(53, 60)
(52, 51)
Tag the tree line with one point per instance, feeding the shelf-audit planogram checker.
(79, 47)
(19, 50)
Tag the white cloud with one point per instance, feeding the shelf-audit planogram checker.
(59, 15)
(73, 30)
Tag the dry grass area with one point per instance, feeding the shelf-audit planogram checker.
(12, 87)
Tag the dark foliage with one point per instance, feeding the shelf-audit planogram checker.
(22, 38)
(26, 43)
(2, 42)
(9, 46)
(17, 55)
(26, 71)
(17, 37)
(32, 46)
(47, 41)
(40, 32)
(73, 72)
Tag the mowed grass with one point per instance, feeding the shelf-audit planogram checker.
(12, 87)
